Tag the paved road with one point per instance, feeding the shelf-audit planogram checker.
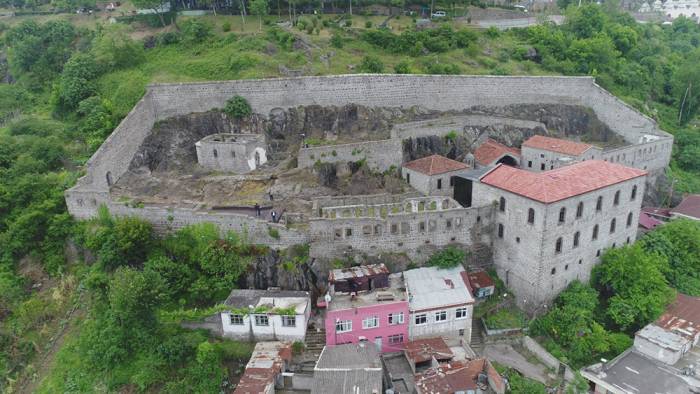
(505, 354)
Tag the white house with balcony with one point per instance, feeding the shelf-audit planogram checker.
(266, 315)
(439, 302)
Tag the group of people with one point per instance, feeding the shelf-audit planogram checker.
(273, 214)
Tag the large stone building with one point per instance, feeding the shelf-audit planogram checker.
(551, 227)
(432, 175)
(542, 153)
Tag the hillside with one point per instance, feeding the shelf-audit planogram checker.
(66, 286)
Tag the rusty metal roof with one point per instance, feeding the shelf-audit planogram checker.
(266, 362)
(480, 279)
(369, 270)
(457, 376)
(682, 316)
(422, 350)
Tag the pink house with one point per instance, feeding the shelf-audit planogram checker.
(379, 316)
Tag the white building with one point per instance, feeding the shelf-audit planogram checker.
(552, 227)
(432, 175)
(266, 315)
(540, 153)
(439, 302)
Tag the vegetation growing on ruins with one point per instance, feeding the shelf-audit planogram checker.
(237, 107)
(74, 82)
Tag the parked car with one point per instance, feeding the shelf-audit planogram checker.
(439, 14)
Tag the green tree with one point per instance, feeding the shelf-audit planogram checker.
(237, 107)
(633, 285)
(77, 81)
(678, 242)
(113, 48)
(259, 8)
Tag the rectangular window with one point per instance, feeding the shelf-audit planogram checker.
(370, 322)
(408, 178)
(396, 318)
(542, 166)
(236, 320)
(440, 316)
(262, 320)
(343, 326)
(289, 321)
(529, 164)
(461, 313)
(395, 339)
(421, 319)
(439, 184)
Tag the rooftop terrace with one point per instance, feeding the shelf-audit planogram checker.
(396, 292)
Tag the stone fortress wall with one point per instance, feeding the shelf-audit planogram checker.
(442, 93)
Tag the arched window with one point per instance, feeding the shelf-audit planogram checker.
(595, 232)
(616, 201)
(599, 204)
(557, 246)
(502, 204)
(562, 215)
(629, 219)
(553, 271)
(634, 193)
(216, 154)
(108, 177)
(577, 237)
(531, 216)
(500, 230)
(612, 226)
(579, 210)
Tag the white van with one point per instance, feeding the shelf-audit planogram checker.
(439, 14)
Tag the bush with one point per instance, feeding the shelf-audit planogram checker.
(371, 64)
(368, 24)
(226, 27)
(168, 38)
(447, 258)
(402, 68)
(336, 41)
(195, 31)
(237, 107)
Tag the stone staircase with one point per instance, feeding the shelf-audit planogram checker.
(315, 340)
(477, 343)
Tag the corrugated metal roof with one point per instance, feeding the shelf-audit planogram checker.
(421, 350)
(682, 316)
(368, 270)
(348, 369)
(266, 362)
(430, 287)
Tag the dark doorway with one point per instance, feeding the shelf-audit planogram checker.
(508, 160)
(463, 191)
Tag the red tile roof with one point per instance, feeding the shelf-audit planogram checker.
(561, 183)
(558, 145)
(422, 350)
(434, 165)
(690, 206)
(492, 150)
(682, 316)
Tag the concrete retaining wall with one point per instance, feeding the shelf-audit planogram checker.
(545, 357)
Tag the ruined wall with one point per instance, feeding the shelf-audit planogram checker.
(255, 230)
(380, 155)
(417, 231)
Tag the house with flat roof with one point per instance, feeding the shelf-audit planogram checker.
(440, 303)
(663, 358)
(432, 175)
(541, 153)
(266, 315)
(348, 369)
(378, 317)
(492, 152)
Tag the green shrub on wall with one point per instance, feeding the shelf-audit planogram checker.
(238, 107)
